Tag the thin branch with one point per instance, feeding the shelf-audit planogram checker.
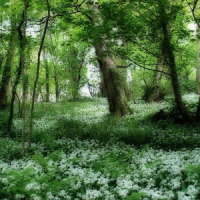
(138, 64)
(124, 67)
(193, 11)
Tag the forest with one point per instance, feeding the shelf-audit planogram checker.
(99, 100)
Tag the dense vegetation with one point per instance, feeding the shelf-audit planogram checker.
(99, 99)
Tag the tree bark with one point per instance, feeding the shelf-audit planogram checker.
(168, 52)
(1, 60)
(24, 95)
(75, 81)
(47, 76)
(102, 87)
(198, 61)
(47, 83)
(56, 77)
(40, 92)
(155, 95)
(113, 81)
(21, 31)
(6, 77)
(37, 75)
(198, 72)
(124, 74)
(127, 89)
(56, 82)
(75, 90)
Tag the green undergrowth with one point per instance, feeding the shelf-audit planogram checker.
(90, 120)
(80, 152)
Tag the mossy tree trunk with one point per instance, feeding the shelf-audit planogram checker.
(6, 76)
(47, 75)
(127, 88)
(75, 78)
(1, 60)
(102, 87)
(156, 90)
(56, 70)
(113, 81)
(56, 82)
(169, 56)
(198, 72)
(198, 61)
(22, 40)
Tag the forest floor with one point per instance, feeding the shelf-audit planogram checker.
(79, 152)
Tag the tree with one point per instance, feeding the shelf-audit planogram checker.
(167, 48)
(47, 74)
(56, 72)
(7, 73)
(37, 73)
(113, 80)
(156, 88)
(195, 15)
(198, 60)
(22, 39)
(74, 59)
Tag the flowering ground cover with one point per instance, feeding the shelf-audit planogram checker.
(81, 153)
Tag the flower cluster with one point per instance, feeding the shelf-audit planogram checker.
(113, 171)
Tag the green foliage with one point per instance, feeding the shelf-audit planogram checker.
(150, 93)
(38, 158)
(67, 155)
(76, 138)
(121, 161)
(9, 149)
(90, 122)
(3, 122)
(135, 196)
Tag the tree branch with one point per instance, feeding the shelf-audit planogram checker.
(193, 11)
(138, 64)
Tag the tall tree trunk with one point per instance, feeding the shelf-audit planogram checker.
(1, 61)
(130, 86)
(168, 52)
(113, 81)
(102, 87)
(1, 40)
(24, 97)
(47, 83)
(21, 32)
(124, 73)
(75, 81)
(6, 77)
(37, 74)
(74, 88)
(47, 76)
(198, 72)
(198, 60)
(56, 82)
(55, 65)
(40, 93)
(155, 95)
(24, 94)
